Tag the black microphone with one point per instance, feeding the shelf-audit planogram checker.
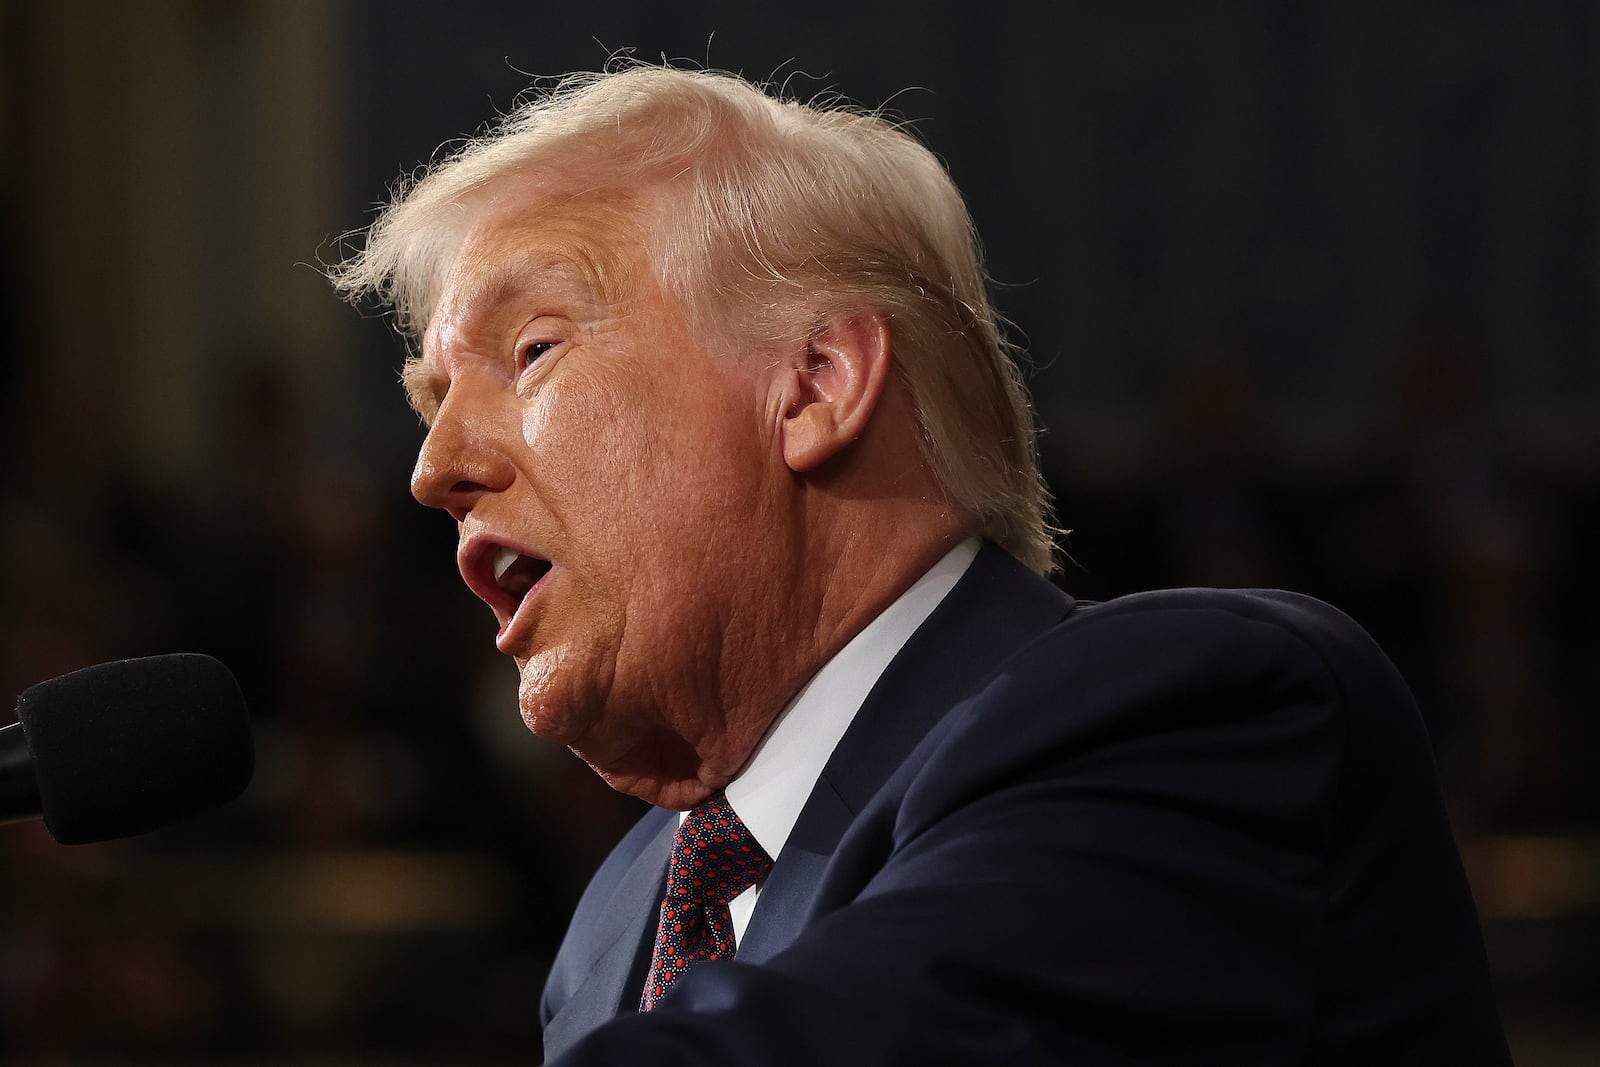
(123, 748)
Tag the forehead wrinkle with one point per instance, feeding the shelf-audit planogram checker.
(592, 235)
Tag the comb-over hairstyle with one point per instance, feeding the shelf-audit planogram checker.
(778, 210)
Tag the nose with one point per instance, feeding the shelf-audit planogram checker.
(461, 460)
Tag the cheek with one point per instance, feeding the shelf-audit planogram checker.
(642, 465)
(535, 424)
(579, 433)
(600, 467)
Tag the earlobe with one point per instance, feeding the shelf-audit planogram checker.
(834, 383)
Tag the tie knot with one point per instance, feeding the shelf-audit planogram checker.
(715, 857)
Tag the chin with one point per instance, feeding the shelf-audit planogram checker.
(552, 719)
(552, 708)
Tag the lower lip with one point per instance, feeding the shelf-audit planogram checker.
(521, 619)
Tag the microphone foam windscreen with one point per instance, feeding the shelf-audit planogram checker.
(122, 748)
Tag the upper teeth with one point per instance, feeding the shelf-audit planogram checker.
(503, 559)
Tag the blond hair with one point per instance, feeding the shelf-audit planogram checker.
(778, 206)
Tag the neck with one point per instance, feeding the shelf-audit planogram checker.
(838, 577)
(850, 555)
(833, 549)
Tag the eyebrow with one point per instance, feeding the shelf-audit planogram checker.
(418, 383)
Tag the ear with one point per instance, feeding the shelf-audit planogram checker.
(832, 386)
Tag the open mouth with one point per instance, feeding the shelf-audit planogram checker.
(501, 576)
(515, 573)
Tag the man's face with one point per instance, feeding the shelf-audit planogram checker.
(614, 484)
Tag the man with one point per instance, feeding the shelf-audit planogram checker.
(739, 460)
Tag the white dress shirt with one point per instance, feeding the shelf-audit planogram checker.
(773, 787)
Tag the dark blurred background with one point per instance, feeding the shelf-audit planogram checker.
(1312, 295)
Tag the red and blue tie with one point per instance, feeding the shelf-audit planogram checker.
(714, 859)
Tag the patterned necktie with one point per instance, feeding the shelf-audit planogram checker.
(714, 859)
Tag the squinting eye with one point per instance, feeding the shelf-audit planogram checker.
(534, 351)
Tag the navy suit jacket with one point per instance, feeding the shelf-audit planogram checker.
(1183, 827)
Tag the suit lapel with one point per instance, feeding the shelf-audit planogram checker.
(997, 606)
(619, 934)
(786, 893)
